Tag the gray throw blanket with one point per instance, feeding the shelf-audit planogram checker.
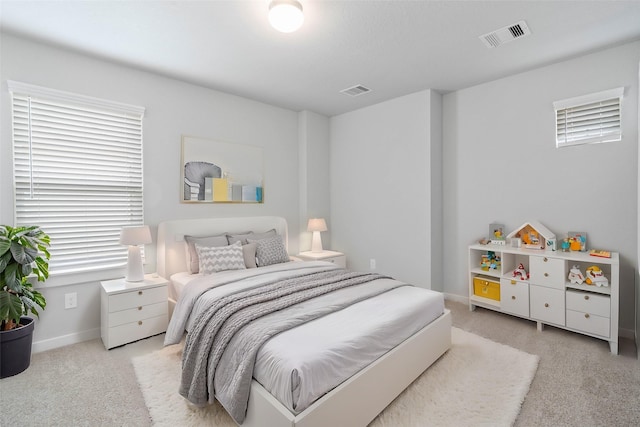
(221, 349)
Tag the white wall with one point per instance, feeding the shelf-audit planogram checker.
(381, 187)
(314, 175)
(172, 108)
(501, 164)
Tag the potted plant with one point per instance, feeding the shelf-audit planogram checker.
(23, 253)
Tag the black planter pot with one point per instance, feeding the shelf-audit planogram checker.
(15, 348)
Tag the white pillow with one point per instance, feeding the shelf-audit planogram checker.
(214, 259)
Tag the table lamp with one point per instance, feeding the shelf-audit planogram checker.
(316, 225)
(134, 237)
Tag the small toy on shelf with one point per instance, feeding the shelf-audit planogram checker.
(566, 245)
(575, 275)
(490, 261)
(578, 241)
(595, 276)
(521, 272)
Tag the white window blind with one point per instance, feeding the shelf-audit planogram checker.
(77, 173)
(589, 119)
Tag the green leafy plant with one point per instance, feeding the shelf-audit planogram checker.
(23, 252)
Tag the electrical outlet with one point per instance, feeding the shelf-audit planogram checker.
(372, 264)
(70, 300)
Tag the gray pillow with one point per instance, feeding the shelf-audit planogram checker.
(270, 251)
(193, 262)
(243, 237)
(249, 253)
(220, 258)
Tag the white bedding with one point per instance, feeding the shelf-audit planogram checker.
(300, 365)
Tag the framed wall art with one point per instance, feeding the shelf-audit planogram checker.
(220, 172)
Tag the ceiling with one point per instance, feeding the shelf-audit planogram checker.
(393, 47)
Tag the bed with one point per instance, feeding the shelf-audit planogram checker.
(354, 401)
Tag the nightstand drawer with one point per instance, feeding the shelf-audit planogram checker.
(340, 261)
(139, 313)
(134, 331)
(137, 297)
(548, 272)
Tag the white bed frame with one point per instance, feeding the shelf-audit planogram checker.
(358, 400)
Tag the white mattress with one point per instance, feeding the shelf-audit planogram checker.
(300, 365)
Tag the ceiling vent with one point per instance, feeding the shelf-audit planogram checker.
(505, 35)
(355, 90)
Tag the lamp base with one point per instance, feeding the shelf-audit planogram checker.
(135, 272)
(316, 242)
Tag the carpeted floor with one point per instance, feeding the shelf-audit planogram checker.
(452, 392)
(578, 382)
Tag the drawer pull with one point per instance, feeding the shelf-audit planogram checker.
(586, 315)
(546, 274)
(513, 282)
(545, 259)
(139, 308)
(139, 322)
(546, 304)
(139, 292)
(586, 297)
(513, 297)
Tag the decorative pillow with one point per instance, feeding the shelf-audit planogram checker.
(192, 254)
(270, 251)
(220, 258)
(249, 253)
(243, 237)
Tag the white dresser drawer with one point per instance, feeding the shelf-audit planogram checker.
(589, 323)
(514, 297)
(134, 331)
(599, 305)
(549, 272)
(139, 313)
(547, 304)
(137, 298)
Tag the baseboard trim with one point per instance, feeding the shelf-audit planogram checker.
(64, 340)
(456, 298)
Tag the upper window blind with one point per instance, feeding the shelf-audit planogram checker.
(77, 173)
(589, 119)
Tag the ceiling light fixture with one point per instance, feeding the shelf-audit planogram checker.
(285, 15)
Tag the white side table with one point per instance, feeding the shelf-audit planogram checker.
(130, 311)
(337, 258)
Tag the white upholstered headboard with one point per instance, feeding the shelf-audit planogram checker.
(170, 250)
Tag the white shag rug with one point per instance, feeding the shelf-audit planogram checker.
(477, 382)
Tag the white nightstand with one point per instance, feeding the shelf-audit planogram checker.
(337, 258)
(131, 311)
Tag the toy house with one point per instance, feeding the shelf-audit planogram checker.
(534, 236)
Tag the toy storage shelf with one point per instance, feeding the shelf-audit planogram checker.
(547, 296)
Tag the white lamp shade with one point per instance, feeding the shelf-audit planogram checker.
(317, 224)
(133, 237)
(286, 15)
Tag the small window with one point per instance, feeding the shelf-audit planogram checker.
(77, 164)
(589, 119)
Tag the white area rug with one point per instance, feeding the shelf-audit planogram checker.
(476, 382)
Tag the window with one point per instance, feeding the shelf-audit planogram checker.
(589, 119)
(77, 173)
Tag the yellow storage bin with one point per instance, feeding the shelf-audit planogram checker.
(486, 288)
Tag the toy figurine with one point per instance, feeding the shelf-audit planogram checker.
(575, 275)
(521, 272)
(595, 276)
